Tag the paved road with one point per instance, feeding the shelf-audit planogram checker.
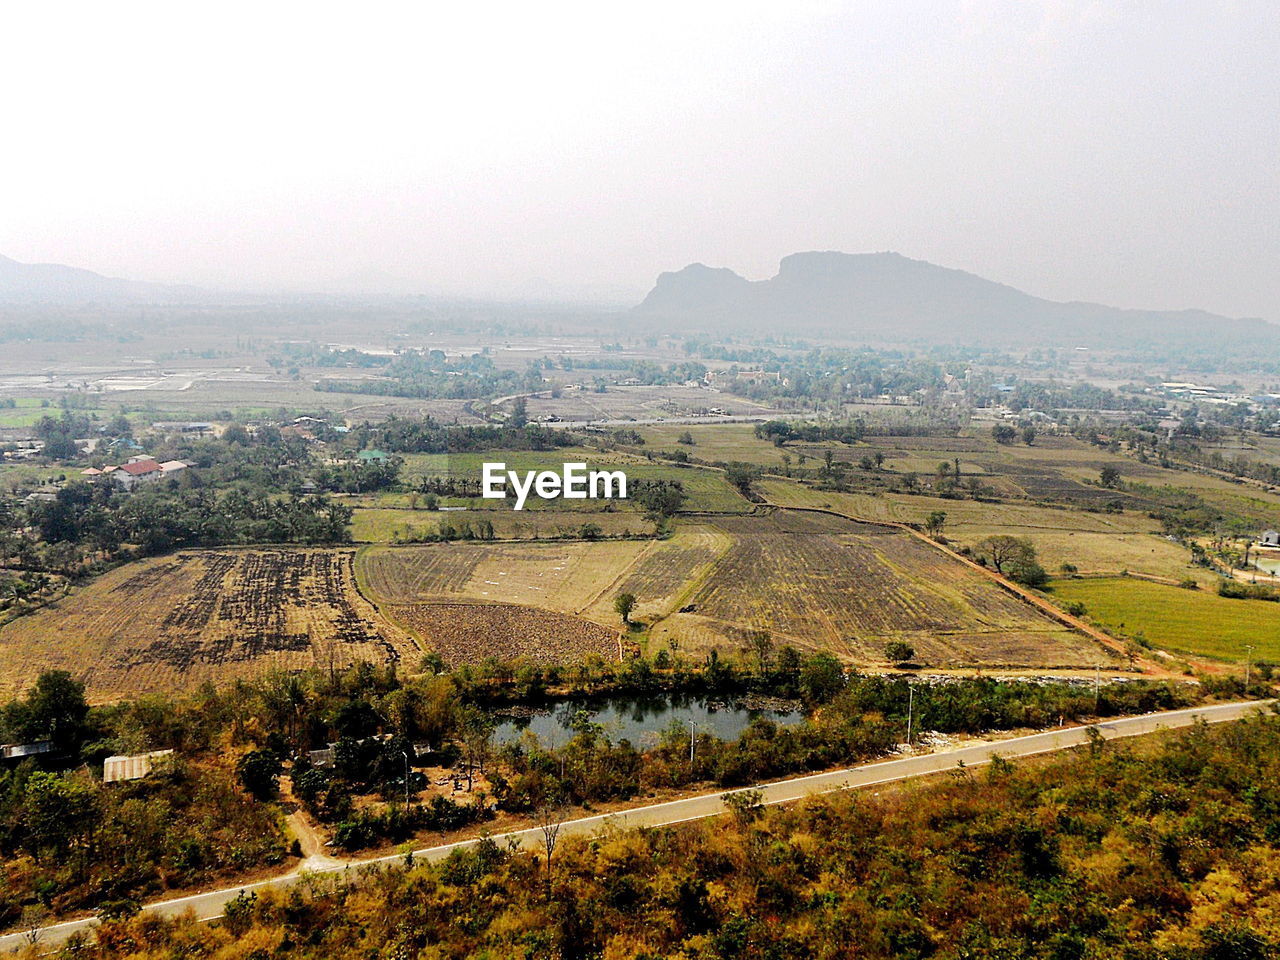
(211, 904)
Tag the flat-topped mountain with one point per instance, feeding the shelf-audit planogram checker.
(886, 296)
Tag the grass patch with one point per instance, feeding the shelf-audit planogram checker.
(1197, 622)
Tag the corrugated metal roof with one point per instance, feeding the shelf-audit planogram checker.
(15, 750)
(115, 769)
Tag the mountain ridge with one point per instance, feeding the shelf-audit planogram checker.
(889, 296)
(56, 283)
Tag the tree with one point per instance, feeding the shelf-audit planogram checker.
(55, 709)
(660, 499)
(761, 643)
(1026, 571)
(821, 677)
(1109, 476)
(624, 603)
(1028, 435)
(57, 811)
(549, 823)
(899, 651)
(686, 438)
(741, 475)
(934, 522)
(259, 772)
(519, 413)
(477, 730)
(1002, 549)
(1003, 433)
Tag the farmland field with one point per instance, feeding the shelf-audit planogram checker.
(822, 582)
(1096, 542)
(471, 632)
(720, 442)
(469, 601)
(1197, 622)
(706, 489)
(567, 577)
(197, 616)
(816, 581)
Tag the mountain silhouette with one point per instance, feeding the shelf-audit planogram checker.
(889, 297)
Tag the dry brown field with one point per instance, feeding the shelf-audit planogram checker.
(1093, 542)
(547, 602)
(465, 633)
(823, 582)
(567, 577)
(209, 615)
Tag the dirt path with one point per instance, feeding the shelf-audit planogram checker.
(310, 841)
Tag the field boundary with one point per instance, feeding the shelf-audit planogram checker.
(1121, 575)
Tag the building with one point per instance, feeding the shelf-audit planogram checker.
(376, 457)
(170, 467)
(1269, 538)
(20, 751)
(137, 471)
(118, 769)
(195, 428)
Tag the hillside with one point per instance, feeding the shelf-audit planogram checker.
(46, 283)
(889, 297)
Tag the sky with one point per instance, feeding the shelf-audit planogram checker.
(1120, 152)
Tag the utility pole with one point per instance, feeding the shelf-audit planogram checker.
(406, 780)
(693, 725)
(1097, 686)
(911, 703)
(1248, 662)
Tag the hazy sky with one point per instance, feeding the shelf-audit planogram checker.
(1121, 152)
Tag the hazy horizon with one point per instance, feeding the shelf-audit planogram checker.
(1071, 150)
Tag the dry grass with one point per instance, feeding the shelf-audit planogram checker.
(178, 621)
(567, 577)
(473, 632)
(822, 582)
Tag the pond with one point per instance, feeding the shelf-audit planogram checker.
(641, 720)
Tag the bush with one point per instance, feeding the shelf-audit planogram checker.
(1246, 591)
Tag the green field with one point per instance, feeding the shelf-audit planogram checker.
(707, 489)
(1197, 622)
(30, 409)
(715, 442)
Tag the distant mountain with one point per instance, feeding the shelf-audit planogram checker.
(887, 297)
(53, 283)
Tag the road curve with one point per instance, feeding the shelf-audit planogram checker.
(211, 904)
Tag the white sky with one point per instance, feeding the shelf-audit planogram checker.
(1119, 152)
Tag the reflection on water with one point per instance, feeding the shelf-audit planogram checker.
(640, 720)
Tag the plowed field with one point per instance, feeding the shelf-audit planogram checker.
(199, 616)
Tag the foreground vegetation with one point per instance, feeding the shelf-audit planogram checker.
(1166, 848)
(216, 808)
